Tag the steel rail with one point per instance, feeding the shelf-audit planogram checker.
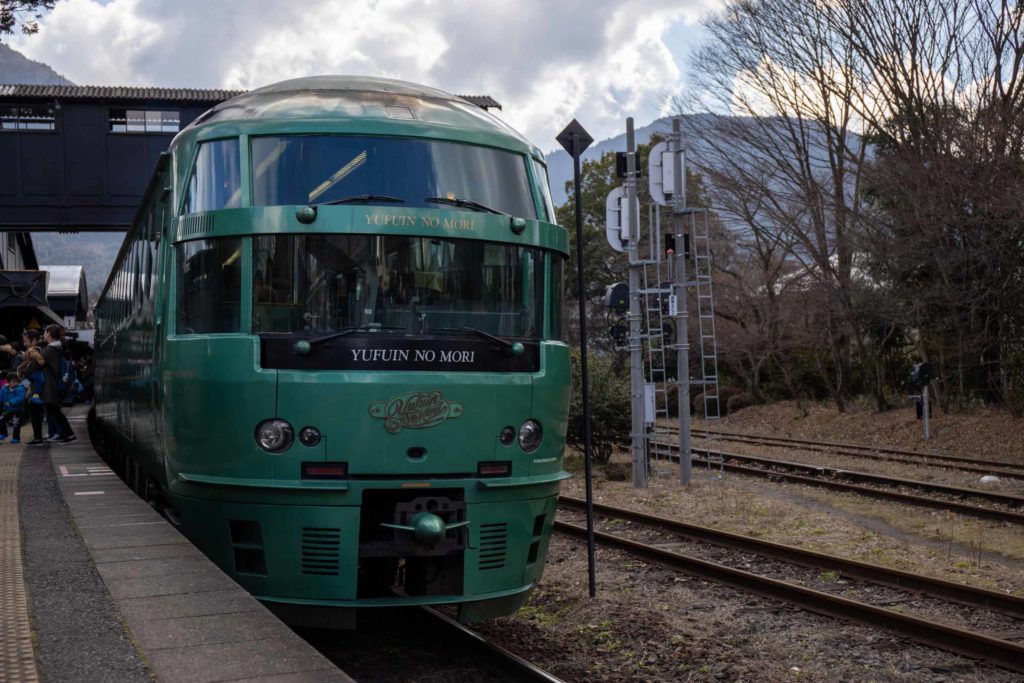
(907, 498)
(923, 460)
(867, 477)
(521, 669)
(967, 643)
(863, 571)
(922, 501)
(970, 464)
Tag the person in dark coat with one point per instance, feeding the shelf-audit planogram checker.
(52, 353)
(31, 370)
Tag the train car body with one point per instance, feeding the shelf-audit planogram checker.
(331, 345)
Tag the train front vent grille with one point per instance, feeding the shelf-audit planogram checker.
(493, 544)
(320, 551)
(196, 224)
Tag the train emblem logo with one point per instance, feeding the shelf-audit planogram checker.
(415, 410)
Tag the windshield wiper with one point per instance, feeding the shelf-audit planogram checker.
(359, 198)
(465, 204)
(349, 330)
(480, 333)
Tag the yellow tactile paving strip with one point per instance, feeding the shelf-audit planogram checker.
(17, 662)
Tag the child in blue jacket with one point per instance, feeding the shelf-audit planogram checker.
(13, 399)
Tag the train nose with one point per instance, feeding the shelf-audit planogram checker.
(427, 528)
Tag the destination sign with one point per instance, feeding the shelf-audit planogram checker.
(385, 351)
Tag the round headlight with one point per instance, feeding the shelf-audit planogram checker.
(530, 435)
(508, 435)
(274, 435)
(309, 436)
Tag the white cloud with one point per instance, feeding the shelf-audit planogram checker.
(546, 62)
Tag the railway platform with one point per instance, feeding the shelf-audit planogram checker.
(96, 586)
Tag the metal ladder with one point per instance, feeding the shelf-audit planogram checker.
(655, 290)
(700, 238)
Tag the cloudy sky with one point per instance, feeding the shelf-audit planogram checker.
(546, 61)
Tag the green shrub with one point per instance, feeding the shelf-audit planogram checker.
(610, 417)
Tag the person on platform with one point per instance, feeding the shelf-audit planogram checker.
(52, 352)
(13, 399)
(31, 372)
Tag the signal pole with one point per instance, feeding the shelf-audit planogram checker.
(575, 139)
(636, 360)
(682, 309)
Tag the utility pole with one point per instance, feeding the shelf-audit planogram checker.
(636, 348)
(682, 309)
(925, 409)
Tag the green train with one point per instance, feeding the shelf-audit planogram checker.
(331, 348)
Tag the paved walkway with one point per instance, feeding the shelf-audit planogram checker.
(17, 661)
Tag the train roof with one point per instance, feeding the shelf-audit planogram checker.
(359, 98)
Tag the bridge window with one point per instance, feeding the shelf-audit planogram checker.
(209, 275)
(144, 121)
(216, 181)
(27, 117)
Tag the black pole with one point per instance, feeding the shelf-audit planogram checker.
(582, 286)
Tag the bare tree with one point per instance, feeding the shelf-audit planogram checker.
(879, 145)
(943, 105)
(779, 121)
(25, 13)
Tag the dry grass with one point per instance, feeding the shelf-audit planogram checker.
(986, 434)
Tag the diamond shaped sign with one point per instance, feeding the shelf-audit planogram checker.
(574, 133)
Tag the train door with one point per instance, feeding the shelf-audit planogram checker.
(160, 283)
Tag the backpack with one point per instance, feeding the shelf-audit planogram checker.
(36, 378)
(67, 377)
(14, 399)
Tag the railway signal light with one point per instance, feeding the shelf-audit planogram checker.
(616, 297)
(622, 165)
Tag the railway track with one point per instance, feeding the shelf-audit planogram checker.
(962, 463)
(512, 666)
(970, 643)
(402, 644)
(880, 486)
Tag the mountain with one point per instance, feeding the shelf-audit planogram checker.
(94, 251)
(17, 68)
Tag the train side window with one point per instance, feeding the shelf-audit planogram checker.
(209, 285)
(216, 181)
(540, 176)
(136, 281)
(557, 297)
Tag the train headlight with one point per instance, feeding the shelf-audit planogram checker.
(508, 435)
(309, 436)
(530, 435)
(274, 435)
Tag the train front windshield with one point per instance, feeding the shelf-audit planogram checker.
(325, 283)
(401, 172)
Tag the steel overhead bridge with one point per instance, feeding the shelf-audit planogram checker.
(76, 158)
